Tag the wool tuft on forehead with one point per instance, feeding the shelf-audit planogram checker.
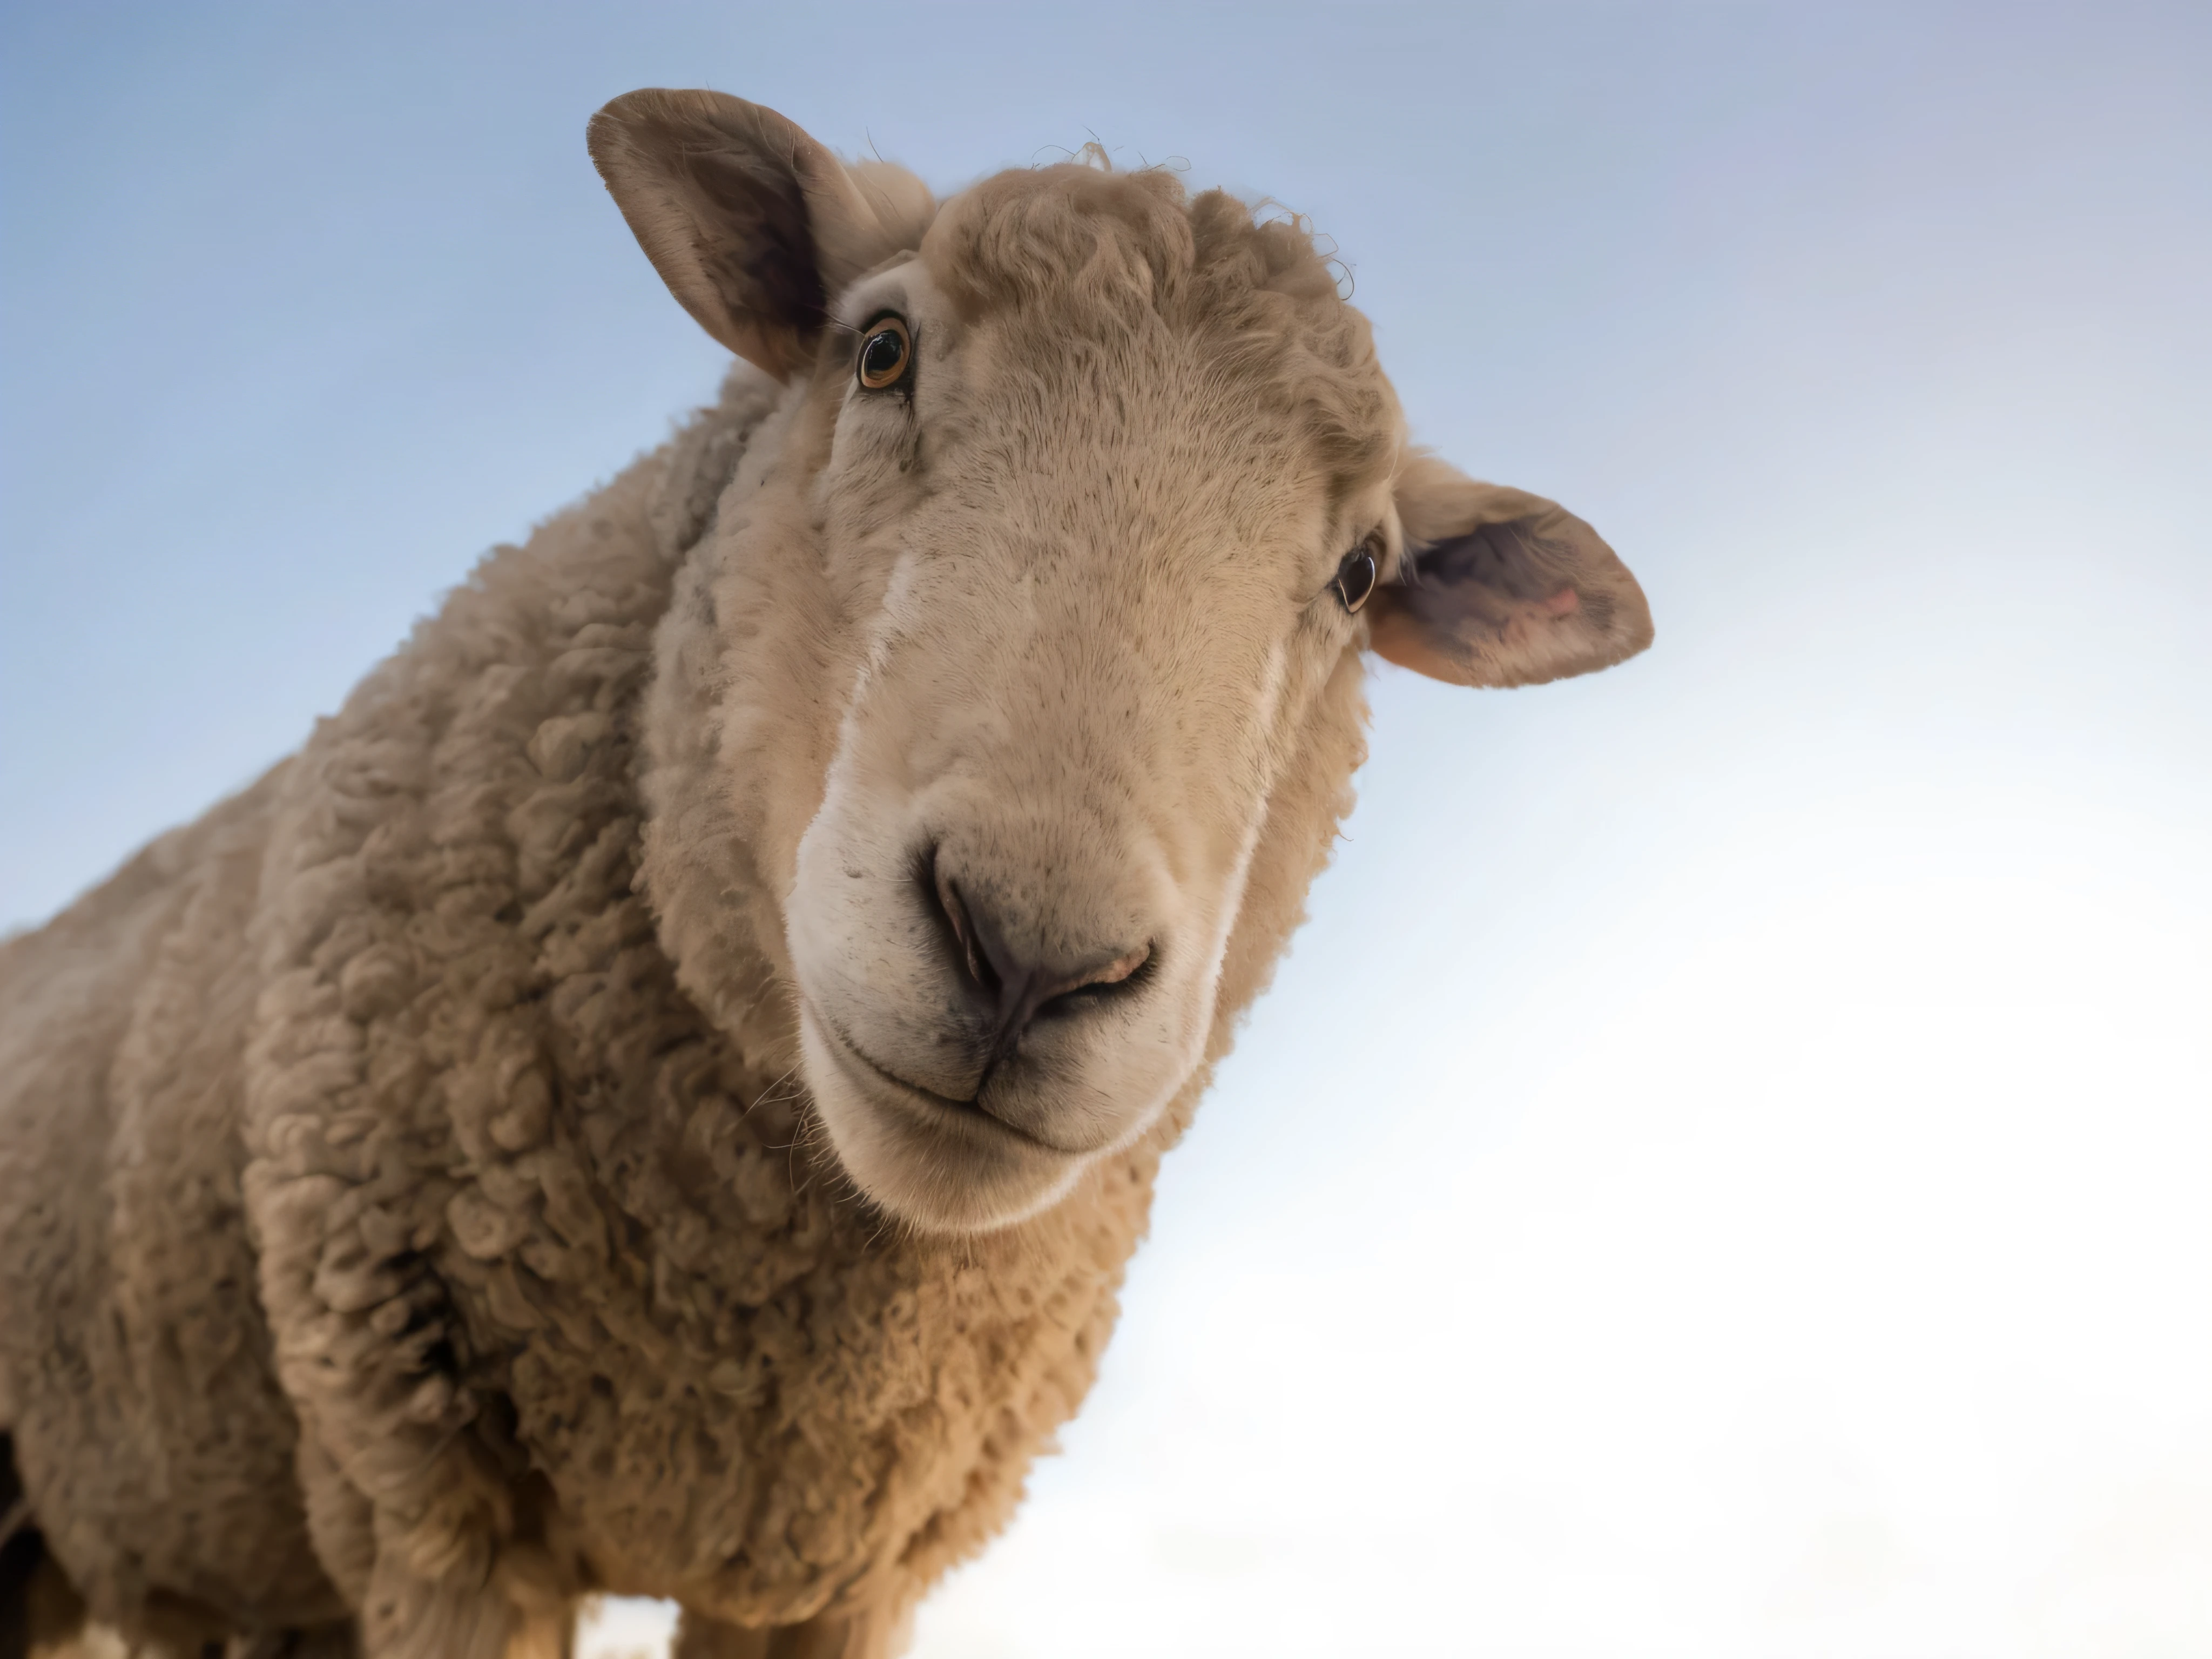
(1085, 249)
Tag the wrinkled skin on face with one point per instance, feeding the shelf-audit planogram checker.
(1069, 517)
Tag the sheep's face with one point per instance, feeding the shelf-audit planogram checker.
(1096, 495)
(1095, 564)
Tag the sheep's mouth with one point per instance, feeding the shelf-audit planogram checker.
(940, 1112)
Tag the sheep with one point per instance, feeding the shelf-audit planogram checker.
(657, 1095)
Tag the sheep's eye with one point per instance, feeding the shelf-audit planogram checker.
(1355, 577)
(886, 354)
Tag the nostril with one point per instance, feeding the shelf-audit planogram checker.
(943, 894)
(1105, 983)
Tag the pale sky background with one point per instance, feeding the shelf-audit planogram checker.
(1727, 1171)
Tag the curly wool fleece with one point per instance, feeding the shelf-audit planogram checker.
(537, 1240)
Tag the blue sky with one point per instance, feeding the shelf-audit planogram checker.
(1720, 1171)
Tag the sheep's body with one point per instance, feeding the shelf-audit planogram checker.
(658, 1095)
(498, 1156)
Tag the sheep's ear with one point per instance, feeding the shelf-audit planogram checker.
(1501, 588)
(754, 227)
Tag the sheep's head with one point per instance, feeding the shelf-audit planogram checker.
(1025, 661)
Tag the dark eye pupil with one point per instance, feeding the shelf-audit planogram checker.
(882, 356)
(1355, 577)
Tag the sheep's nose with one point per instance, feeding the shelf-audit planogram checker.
(1008, 990)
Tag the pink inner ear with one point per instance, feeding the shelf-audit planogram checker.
(1562, 602)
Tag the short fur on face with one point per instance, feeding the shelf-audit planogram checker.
(1076, 578)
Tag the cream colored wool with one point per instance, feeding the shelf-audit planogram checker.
(518, 1148)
